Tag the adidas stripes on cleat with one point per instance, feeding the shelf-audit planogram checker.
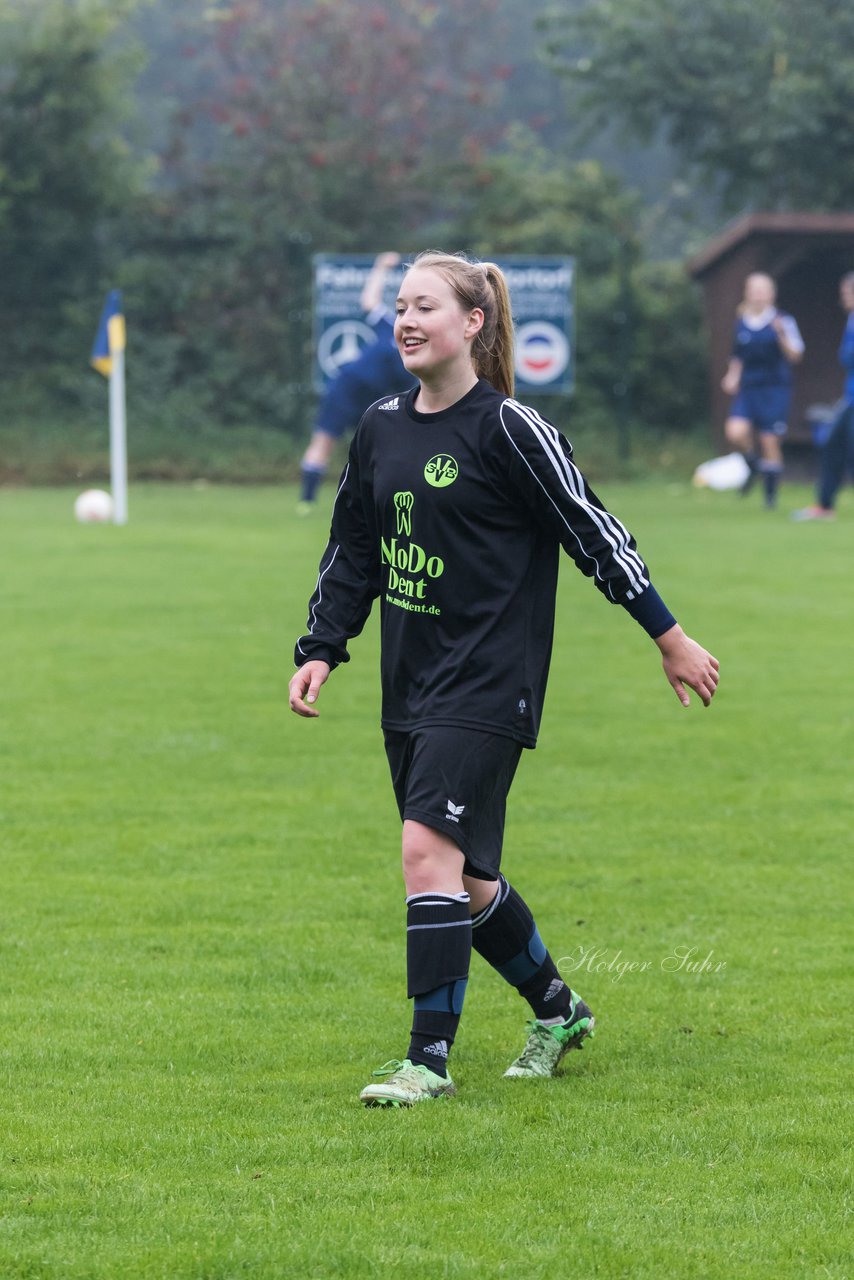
(406, 1083)
(547, 1045)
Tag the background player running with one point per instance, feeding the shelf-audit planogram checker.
(837, 454)
(452, 509)
(375, 372)
(766, 343)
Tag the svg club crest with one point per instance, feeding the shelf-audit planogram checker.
(441, 471)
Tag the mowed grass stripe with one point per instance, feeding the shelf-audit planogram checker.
(201, 923)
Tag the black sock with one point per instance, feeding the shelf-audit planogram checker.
(505, 935)
(771, 475)
(312, 476)
(752, 460)
(438, 952)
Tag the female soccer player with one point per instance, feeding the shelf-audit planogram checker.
(376, 370)
(452, 509)
(837, 455)
(759, 377)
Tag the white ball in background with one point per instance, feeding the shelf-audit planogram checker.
(93, 507)
(729, 472)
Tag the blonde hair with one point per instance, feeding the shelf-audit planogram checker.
(481, 285)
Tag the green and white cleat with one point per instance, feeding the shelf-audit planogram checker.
(547, 1046)
(406, 1083)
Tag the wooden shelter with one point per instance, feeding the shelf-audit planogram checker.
(806, 253)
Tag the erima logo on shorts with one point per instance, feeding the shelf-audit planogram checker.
(454, 811)
(390, 404)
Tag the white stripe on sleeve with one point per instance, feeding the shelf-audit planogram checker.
(572, 481)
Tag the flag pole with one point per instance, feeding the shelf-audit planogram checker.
(118, 439)
(108, 357)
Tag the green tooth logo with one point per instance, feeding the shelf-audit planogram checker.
(441, 471)
(403, 504)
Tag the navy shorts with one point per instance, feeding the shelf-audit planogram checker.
(456, 781)
(766, 408)
(377, 372)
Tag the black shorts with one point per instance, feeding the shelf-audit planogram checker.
(456, 781)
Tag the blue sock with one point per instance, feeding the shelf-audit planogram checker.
(505, 934)
(312, 476)
(771, 475)
(438, 952)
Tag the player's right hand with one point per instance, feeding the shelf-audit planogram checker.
(305, 686)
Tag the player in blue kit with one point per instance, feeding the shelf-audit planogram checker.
(452, 509)
(377, 369)
(766, 343)
(837, 454)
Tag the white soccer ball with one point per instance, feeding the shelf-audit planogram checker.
(728, 472)
(94, 506)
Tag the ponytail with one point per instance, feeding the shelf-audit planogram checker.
(481, 285)
(493, 354)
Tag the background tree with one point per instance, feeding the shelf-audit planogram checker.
(758, 94)
(65, 173)
(340, 127)
(263, 131)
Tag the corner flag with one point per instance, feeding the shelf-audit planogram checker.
(108, 357)
(110, 337)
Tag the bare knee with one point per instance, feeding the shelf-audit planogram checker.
(319, 449)
(431, 861)
(481, 892)
(771, 448)
(737, 432)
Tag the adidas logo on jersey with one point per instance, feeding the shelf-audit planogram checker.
(390, 404)
(439, 1049)
(454, 811)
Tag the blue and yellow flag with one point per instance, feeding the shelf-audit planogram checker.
(110, 337)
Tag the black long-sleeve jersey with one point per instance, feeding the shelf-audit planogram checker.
(455, 520)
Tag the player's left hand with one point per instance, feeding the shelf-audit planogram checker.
(687, 663)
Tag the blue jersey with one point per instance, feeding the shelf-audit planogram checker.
(757, 347)
(846, 358)
(376, 372)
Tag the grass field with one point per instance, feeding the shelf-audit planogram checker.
(201, 920)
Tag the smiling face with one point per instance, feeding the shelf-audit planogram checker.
(433, 331)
